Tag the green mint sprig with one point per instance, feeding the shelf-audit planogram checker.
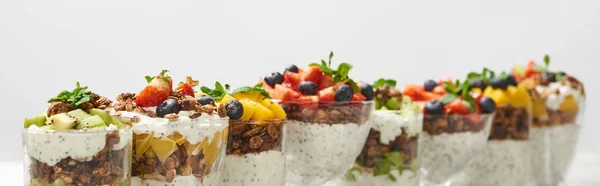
(390, 83)
(457, 91)
(162, 74)
(256, 89)
(218, 93)
(384, 165)
(78, 96)
(340, 74)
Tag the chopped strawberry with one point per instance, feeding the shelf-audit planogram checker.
(154, 93)
(457, 107)
(292, 80)
(358, 97)
(427, 96)
(311, 73)
(477, 96)
(265, 85)
(326, 81)
(285, 94)
(186, 89)
(440, 90)
(327, 94)
(309, 101)
(445, 79)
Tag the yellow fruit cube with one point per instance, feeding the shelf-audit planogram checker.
(251, 96)
(500, 97)
(249, 108)
(199, 94)
(488, 91)
(266, 102)
(212, 151)
(163, 148)
(143, 144)
(178, 138)
(539, 107)
(262, 113)
(569, 104)
(226, 99)
(278, 111)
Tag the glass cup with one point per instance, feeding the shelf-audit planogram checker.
(564, 140)
(323, 139)
(449, 143)
(506, 159)
(390, 156)
(98, 156)
(254, 154)
(182, 151)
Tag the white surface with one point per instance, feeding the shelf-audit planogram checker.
(111, 45)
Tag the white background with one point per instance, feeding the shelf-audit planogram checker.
(46, 46)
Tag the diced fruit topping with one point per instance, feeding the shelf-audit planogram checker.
(36, 120)
(311, 73)
(510, 79)
(79, 115)
(569, 104)
(91, 122)
(434, 107)
(499, 83)
(477, 83)
(344, 93)
(249, 107)
(169, 106)
(487, 105)
(185, 89)
(205, 100)
(142, 144)
(163, 147)
(291, 68)
(457, 107)
(262, 113)
(62, 121)
(235, 110)
(226, 99)
(308, 88)
(158, 89)
(367, 91)
(278, 111)
(429, 85)
(274, 79)
(103, 114)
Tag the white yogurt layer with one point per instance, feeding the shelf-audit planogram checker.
(194, 130)
(263, 169)
(390, 123)
(446, 155)
(316, 153)
(407, 178)
(212, 179)
(502, 163)
(553, 101)
(50, 146)
(564, 141)
(541, 153)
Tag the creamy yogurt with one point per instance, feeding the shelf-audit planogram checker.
(317, 153)
(553, 101)
(390, 124)
(503, 162)
(407, 177)
(263, 169)
(212, 179)
(50, 146)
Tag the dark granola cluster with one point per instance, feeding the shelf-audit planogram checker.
(329, 113)
(126, 102)
(97, 101)
(149, 167)
(453, 123)
(246, 138)
(510, 123)
(555, 118)
(106, 168)
(374, 149)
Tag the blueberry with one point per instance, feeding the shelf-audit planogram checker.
(168, 106)
(500, 83)
(487, 105)
(235, 110)
(434, 107)
(308, 88)
(429, 85)
(367, 91)
(205, 100)
(291, 68)
(562, 73)
(344, 93)
(274, 78)
(477, 83)
(511, 80)
(549, 76)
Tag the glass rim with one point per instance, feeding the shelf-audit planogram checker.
(324, 102)
(461, 115)
(76, 131)
(258, 122)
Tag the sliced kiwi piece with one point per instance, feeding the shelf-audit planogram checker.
(36, 120)
(59, 182)
(36, 182)
(91, 122)
(79, 115)
(62, 121)
(116, 121)
(393, 104)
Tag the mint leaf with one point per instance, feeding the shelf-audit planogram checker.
(149, 79)
(448, 97)
(380, 82)
(469, 105)
(465, 88)
(396, 158)
(78, 96)
(323, 63)
(330, 56)
(547, 60)
(344, 69)
(349, 174)
(218, 93)
(390, 83)
(391, 177)
(382, 166)
(353, 85)
(473, 75)
(256, 89)
(314, 64)
(449, 87)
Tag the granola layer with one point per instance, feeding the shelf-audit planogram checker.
(555, 118)
(439, 124)
(329, 113)
(510, 123)
(249, 137)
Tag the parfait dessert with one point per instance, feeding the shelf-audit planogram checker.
(327, 120)
(254, 155)
(76, 142)
(178, 139)
(505, 160)
(456, 126)
(390, 156)
(558, 101)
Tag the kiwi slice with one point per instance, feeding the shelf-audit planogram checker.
(36, 182)
(91, 122)
(62, 121)
(59, 182)
(116, 121)
(36, 120)
(99, 112)
(79, 115)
